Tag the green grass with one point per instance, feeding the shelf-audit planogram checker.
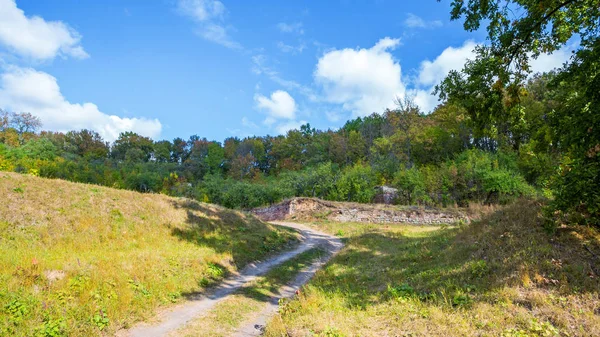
(501, 276)
(82, 260)
(246, 303)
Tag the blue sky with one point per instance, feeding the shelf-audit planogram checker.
(169, 68)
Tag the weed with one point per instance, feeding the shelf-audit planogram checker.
(479, 268)
(139, 288)
(331, 332)
(16, 311)
(100, 320)
(401, 291)
(215, 270)
(52, 327)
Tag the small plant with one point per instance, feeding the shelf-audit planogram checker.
(461, 300)
(204, 282)
(215, 270)
(339, 233)
(18, 190)
(174, 296)
(16, 311)
(139, 288)
(100, 320)
(77, 283)
(479, 269)
(402, 291)
(331, 332)
(535, 328)
(52, 327)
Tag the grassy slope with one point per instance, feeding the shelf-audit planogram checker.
(86, 260)
(501, 276)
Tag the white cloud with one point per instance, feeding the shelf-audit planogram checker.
(209, 14)
(414, 21)
(295, 27)
(362, 80)
(218, 34)
(432, 72)
(28, 90)
(36, 38)
(286, 48)
(424, 99)
(201, 10)
(283, 128)
(547, 62)
(279, 106)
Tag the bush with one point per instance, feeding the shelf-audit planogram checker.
(356, 183)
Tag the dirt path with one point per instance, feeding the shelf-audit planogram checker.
(196, 307)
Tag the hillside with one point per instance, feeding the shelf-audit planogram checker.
(85, 260)
(502, 275)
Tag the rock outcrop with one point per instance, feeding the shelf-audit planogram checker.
(312, 209)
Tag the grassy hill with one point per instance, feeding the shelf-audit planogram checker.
(503, 275)
(87, 260)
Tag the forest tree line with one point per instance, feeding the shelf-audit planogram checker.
(435, 159)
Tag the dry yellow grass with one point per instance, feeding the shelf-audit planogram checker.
(500, 276)
(81, 259)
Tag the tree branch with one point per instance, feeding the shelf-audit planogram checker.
(536, 27)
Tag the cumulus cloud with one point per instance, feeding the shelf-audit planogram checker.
(432, 72)
(36, 38)
(414, 21)
(28, 90)
(209, 15)
(362, 80)
(295, 27)
(279, 106)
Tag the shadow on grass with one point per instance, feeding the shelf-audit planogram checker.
(246, 238)
(456, 265)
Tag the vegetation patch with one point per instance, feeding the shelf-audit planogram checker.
(504, 275)
(83, 261)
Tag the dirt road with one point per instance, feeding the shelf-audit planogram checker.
(196, 307)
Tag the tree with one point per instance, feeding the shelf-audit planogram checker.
(132, 147)
(162, 151)
(24, 122)
(501, 68)
(86, 143)
(179, 151)
(405, 119)
(519, 30)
